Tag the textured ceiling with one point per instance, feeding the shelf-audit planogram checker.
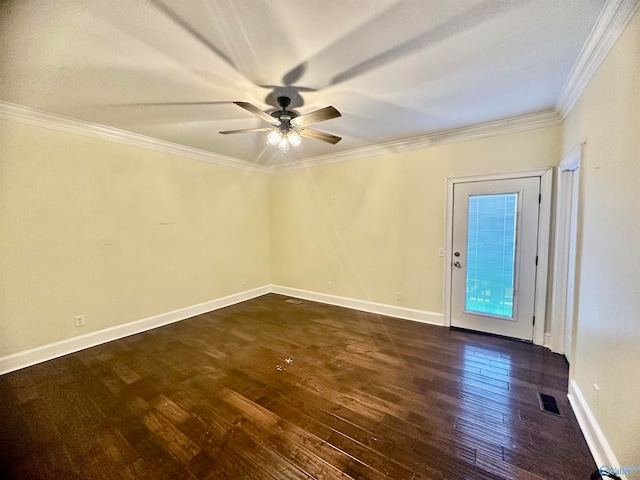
(395, 69)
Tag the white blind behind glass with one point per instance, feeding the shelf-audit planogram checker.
(491, 248)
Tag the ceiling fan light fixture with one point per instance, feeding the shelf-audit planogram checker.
(274, 137)
(294, 138)
(284, 144)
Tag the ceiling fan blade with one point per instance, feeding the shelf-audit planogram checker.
(326, 113)
(246, 130)
(258, 113)
(316, 135)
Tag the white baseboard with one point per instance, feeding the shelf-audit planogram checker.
(421, 316)
(19, 360)
(597, 442)
(16, 361)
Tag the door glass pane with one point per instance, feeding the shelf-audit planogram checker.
(491, 251)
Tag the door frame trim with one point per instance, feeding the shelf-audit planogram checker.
(544, 229)
(561, 273)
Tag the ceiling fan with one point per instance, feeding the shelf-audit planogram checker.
(287, 127)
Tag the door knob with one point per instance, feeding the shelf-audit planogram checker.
(457, 264)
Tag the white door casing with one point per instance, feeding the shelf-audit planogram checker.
(566, 228)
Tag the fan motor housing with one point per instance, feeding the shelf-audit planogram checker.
(285, 116)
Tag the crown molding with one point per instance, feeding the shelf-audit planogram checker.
(530, 121)
(39, 118)
(613, 19)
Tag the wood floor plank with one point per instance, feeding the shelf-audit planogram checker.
(138, 470)
(172, 438)
(369, 457)
(267, 389)
(169, 410)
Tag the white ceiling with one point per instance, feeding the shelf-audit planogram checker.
(395, 69)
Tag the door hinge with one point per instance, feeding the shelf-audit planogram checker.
(534, 320)
(539, 198)
(536, 260)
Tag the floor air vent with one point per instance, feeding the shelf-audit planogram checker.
(293, 300)
(548, 404)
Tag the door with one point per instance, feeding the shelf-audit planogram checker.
(494, 246)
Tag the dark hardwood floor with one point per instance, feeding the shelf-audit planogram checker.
(269, 389)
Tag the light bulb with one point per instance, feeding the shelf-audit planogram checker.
(294, 138)
(274, 137)
(284, 144)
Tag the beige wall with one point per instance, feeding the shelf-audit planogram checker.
(373, 226)
(117, 233)
(607, 352)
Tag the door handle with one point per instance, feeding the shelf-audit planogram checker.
(457, 265)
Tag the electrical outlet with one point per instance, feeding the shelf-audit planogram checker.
(398, 296)
(80, 320)
(243, 282)
(329, 285)
(441, 252)
(597, 389)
